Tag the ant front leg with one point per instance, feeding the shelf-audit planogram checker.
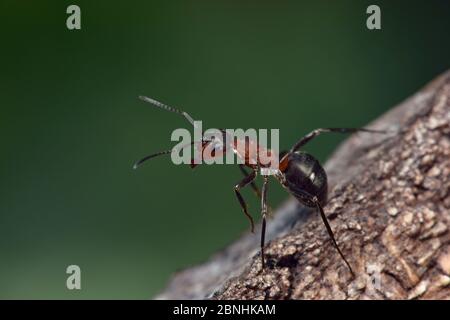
(248, 179)
(252, 184)
(317, 132)
(264, 214)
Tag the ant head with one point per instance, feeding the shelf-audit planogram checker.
(304, 177)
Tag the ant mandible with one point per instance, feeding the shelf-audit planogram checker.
(298, 172)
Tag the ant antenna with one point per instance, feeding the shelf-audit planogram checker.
(137, 164)
(168, 108)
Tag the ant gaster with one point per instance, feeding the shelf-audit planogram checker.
(299, 173)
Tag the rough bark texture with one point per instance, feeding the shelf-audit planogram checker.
(389, 208)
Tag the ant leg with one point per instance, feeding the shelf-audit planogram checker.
(312, 201)
(248, 179)
(330, 232)
(255, 189)
(264, 213)
(252, 184)
(316, 132)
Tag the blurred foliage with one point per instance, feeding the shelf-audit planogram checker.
(71, 124)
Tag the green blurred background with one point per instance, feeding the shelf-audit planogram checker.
(71, 124)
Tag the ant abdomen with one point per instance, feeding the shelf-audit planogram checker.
(306, 178)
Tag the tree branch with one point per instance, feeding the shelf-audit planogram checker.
(389, 208)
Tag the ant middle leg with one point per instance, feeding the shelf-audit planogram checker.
(247, 180)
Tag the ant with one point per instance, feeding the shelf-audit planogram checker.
(299, 173)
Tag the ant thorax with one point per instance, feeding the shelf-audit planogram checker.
(247, 150)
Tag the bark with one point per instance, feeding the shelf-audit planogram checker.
(389, 208)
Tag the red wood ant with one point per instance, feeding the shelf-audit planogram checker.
(299, 173)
